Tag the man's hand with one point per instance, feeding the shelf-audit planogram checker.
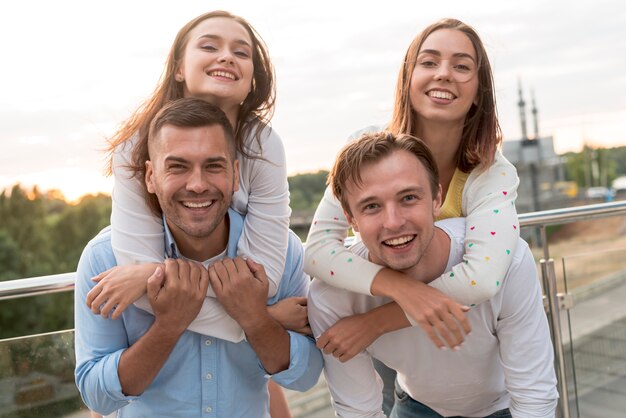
(241, 287)
(177, 296)
(348, 337)
(291, 313)
(242, 292)
(442, 318)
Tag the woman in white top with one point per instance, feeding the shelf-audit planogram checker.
(444, 96)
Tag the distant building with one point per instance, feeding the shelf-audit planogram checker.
(539, 168)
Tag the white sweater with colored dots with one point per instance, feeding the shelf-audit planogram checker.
(492, 230)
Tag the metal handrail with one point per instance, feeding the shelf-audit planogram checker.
(65, 282)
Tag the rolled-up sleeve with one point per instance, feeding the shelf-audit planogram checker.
(99, 342)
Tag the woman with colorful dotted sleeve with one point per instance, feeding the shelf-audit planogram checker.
(444, 96)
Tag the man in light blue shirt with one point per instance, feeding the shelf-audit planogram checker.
(151, 365)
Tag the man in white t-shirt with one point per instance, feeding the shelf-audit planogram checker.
(389, 189)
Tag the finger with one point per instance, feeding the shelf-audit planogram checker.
(216, 281)
(184, 272)
(101, 275)
(119, 309)
(253, 265)
(222, 272)
(441, 328)
(459, 315)
(170, 275)
(430, 331)
(301, 300)
(106, 309)
(203, 282)
(155, 282)
(454, 330)
(93, 293)
(242, 266)
(322, 341)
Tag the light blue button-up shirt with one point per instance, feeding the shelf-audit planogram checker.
(203, 376)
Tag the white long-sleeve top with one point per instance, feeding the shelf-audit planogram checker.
(263, 197)
(505, 362)
(487, 201)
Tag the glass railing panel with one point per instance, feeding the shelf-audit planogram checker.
(37, 377)
(596, 341)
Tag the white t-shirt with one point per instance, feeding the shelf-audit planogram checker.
(505, 362)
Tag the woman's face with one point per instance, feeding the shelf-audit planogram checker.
(444, 83)
(217, 63)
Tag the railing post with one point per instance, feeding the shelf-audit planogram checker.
(549, 280)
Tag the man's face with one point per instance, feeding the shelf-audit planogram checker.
(193, 176)
(394, 210)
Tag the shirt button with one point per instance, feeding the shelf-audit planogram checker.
(208, 409)
(209, 376)
(208, 342)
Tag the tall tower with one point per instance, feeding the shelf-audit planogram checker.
(534, 112)
(522, 111)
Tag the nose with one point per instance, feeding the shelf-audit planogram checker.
(394, 220)
(196, 182)
(226, 56)
(443, 71)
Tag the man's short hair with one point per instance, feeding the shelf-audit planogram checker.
(373, 147)
(191, 113)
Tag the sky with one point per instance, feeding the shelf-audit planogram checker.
(74, 70)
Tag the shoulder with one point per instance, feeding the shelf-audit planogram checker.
(500, 169)
(262, 138)
(98, 254)
(454, 227)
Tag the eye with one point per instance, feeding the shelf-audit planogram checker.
(427, 63)
(208, 47)
(176, 167)
(462, 68)
(243, 54)
(371, 207)
(409, 198)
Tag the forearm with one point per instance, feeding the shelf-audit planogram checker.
(140, 363)
(270, 342)
(386, 318)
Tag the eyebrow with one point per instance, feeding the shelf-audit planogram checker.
(417, 190)
(455, 55)
(173, 158)
(219, 38)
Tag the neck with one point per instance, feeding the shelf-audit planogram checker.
(434, 261)
(443, 140)
(202, 248)
(232, 114)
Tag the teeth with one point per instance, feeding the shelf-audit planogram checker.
(437, 94)
(399, 241)
(197, 205)
(222, 74)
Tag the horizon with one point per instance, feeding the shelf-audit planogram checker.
(335, 74)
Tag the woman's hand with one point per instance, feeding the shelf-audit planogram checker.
(291, 313)
(118, 287)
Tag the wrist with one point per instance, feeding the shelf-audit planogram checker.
(389, 283)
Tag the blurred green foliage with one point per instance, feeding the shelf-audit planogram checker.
(41, 234)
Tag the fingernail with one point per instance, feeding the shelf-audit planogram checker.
(443, 347)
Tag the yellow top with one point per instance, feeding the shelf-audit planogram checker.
(452, 207)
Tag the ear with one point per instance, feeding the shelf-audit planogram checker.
(179, 74)
(235, 176)
(353, 223)
(437, 202)
(150, 177)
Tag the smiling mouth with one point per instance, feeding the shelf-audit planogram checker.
(400, 241)
(197, 205)
(438, 94)
(223, 74)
